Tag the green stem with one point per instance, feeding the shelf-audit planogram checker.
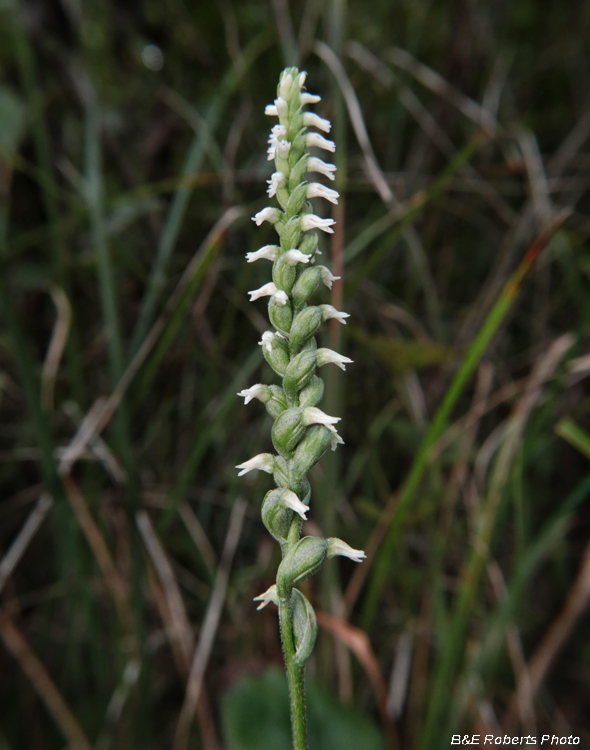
(295, 674)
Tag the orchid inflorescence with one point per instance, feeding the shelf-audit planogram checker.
(301, 432)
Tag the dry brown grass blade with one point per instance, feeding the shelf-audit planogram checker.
(182, 633)
(43, 684)
(358, 642)
(209, 627)
(19, 546)
(56, 347)
(546, 652)
(103, 557)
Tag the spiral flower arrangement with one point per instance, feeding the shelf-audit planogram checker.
(301, 432)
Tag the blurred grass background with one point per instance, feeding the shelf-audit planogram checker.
(132, 156)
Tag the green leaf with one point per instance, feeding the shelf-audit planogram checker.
(12, 122)
(255, 715)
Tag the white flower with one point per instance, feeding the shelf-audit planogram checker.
(310, 98)
(327, 277)
(317, 140)
(270, 595)
(296, 256)
(317, 190)
(271, 110)
(277, 133)
(275, 182)
(268, 252)
(292, 501)
(255, 391)
(327, 356)
(313, 415)
(311, 221)
(311, 120)
(280, 298)
(267, 214)
(282, 149)
(285, 85)
(282, 107)
(317, 165)
(265, 291)
(301, 79)
(268, 339)
(335, 439)
(338, 547)
(262, 462)
(331, 312)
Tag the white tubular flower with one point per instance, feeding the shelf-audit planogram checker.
(338, 547)
(311, 221)
(335, 439)
(296, 256)
(268, 339)
(267, 214)
(277, 133)
(262, 462)
(268, 252)
(329, 357)
(285, 85)
(310, 98)
(317, 190)
(280, 298)
(277, 179)
(265, 291)
(271, 110)
(301, 80)
(292, 501)
(270, 595)
(328, 312)
(311, 120)
(318, 141)
(327, 277)
(282, 149)
(317, 165)
(313, 415)
(255, 391)
(282, 107)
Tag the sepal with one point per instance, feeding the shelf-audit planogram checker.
(306, 285)
(299, 372)
(312, 394)
(304, 326)
(287, 431)
(316, 442)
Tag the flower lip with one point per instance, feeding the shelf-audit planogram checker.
(313, 415)
(271, 110)
(263, 462)
(280, 297)
(317, 165)
(327, 356)
(328, 279)
(310, 119)
(277, 179)
(255, 391)
(292, 501)
(309, 98)
(317, 190)
(268, 339)
(268, 252)
(270, 595)
(329, 312)
(311, 221)
(267, 290)
(318, 141)
(338, 547)
(295, 256)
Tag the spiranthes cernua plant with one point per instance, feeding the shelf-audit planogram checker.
(301, 432)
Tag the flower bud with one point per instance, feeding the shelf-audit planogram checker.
(284, 273)
(296, 200)
(276, 516)
(276, 403)
(312, 393)
(316, 442)
(304, 326)
(291, 233)
(305, 626)
(287, 431)
(275, 352)
(306, 285)
(280, 315)
(298, 373)
(302, 561)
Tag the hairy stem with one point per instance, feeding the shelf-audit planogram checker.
(295, 674)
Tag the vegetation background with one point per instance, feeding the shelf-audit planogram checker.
(132, 156)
